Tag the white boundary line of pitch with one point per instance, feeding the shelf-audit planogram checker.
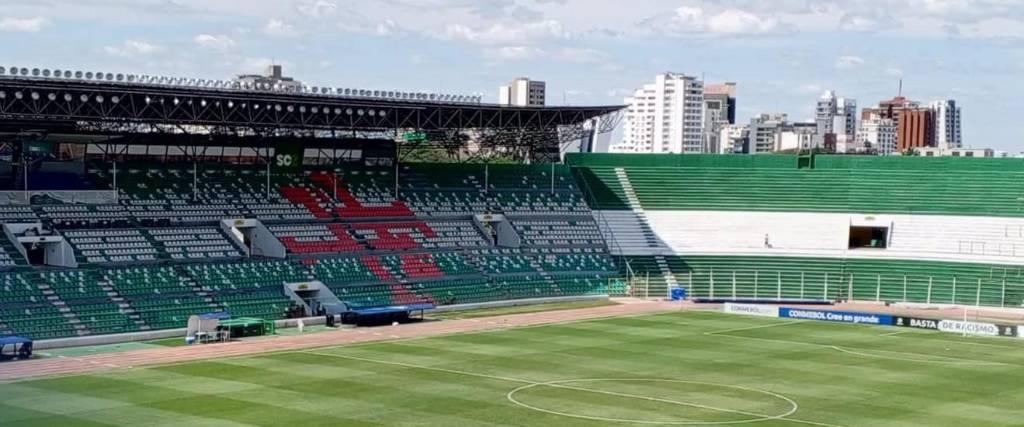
(558, 384)
(914, 357)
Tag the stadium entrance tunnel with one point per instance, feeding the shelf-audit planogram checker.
(653, 401)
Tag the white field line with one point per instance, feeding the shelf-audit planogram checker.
(889, 334)
(762, 417)
(913, 357)
(750, 328)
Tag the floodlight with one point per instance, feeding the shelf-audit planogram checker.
(3, 95)
(302, 109)
(382, 113)
(202, 103)
(19, 95)
(78, 74)
(67, 97)
(84, 98)
(24, 71)
(99, 99)
(35, 96)
(176, 101)
(315, 110)
(110, 77)
(231, 104)
(348, 111)
(58, 74)
(88, 75)
(337, 111)
(372, 113)
(46, 72)
(3, 71)
(115, 99)
(277, 107)
(360, 112)
(51, 96)
(291, 108)
(149, 100)
(35, 72)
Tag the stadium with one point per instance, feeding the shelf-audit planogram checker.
(194, 252)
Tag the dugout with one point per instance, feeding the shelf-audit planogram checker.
(246, 327)
(15, 348)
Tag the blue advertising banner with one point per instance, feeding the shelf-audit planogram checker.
(836, 316)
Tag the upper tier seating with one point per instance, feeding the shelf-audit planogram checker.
(835, 184)
(86, 216)
(316, 238)
(393, 234)
(112, 246)
(542, 203)
(198, 243)
(17, 213)
(559, 232)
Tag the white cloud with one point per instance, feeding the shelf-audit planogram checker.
(279, 28)
(512, 53)
(849, 61)
(133, 48)
(217, 42)
(27, 25)
(505, 33)
(693, 20)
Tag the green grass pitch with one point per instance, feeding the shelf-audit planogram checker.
(680, 368)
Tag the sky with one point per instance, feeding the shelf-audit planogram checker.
(782, 53)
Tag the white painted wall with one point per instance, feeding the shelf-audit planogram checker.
(925, 237)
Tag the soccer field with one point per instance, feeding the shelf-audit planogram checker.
(679, 368)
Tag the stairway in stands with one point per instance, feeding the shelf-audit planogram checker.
(670, 277)
(645, 227)
(123, 304)
(409, 265)
(639, 214)
(53, 298)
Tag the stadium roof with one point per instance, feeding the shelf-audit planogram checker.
(37, 102)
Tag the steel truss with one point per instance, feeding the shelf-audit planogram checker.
(100, 108)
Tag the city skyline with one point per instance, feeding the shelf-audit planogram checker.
(782, 54)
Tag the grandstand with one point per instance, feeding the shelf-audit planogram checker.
(929, 230)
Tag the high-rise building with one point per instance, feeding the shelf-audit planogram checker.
(719, 110)
(915, 125)
(665, 117)
(734, 139)
(878, 135)
(947, 124)
(523, 92)
(765, 132)
(836, 119)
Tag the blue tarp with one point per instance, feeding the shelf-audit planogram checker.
(393, 309)
(222, 315)
(14, 340)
